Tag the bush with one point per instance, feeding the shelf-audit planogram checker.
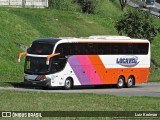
(137, 24)
(87, 6)
(105, 8)
(66, 5)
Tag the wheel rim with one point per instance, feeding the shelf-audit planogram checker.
(68, 84)
(130, 81)
(120, 82)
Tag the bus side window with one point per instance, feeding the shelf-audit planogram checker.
(130, 48)
(90, 48)
(76, 49)
(136, 50)
(62, 49)
(124, 48)
(100, 51)
(59, 49)
(143, 48)
(84, 49)
(114, 49)
(100, 48)
(69, 49)
(106, 48)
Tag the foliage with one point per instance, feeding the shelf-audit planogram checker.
(25, 25)
(87, 6)
(137, 24)
(123, 4)
(66, 5)
(104, 8)
(52, 101)
(108, 9)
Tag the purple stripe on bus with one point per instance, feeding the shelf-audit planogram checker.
(79, 70)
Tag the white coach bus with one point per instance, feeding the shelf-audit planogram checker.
(95, 60)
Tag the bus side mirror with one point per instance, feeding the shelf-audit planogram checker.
(20, 55)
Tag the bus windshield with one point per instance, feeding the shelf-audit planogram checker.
(37, 65)
(41, 48)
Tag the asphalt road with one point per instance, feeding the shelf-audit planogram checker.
(154, 11)
(147, 89)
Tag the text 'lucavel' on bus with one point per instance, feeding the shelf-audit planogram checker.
(95, 60)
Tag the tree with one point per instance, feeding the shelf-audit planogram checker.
(87, 6)
(137, 24)
(49, 3)
(123, 3)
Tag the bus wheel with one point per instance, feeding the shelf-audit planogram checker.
(130, 82)
(120, 83)
(68, 84)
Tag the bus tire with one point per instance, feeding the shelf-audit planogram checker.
(120, 82)
(68, 84)
(130, 82)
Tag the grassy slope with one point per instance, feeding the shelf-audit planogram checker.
(25, 25)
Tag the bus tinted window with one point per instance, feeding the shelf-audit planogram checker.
(102, 48)
(41, 49)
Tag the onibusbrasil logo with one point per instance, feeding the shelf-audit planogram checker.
(127, 61)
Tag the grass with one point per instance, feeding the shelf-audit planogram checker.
(155, 74)
(25, 25)
(155, 50)
(39, 101)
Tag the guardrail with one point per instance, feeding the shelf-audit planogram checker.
(25, 3)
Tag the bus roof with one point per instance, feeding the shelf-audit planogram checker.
(103, 39)
(109, 37)
(91, 39)
(47, 40)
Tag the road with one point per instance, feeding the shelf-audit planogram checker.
(154, 11)
(147, 89)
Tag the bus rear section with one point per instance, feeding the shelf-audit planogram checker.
(75, 62)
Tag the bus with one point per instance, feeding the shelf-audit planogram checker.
(148, 3)
(94, 60)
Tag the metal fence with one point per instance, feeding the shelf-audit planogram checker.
(25, 3)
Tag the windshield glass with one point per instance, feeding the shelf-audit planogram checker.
(37, 65)
(41, 48)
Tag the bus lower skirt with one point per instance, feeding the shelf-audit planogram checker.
(42, 83)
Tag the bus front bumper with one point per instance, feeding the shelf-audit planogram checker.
(40, 83)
